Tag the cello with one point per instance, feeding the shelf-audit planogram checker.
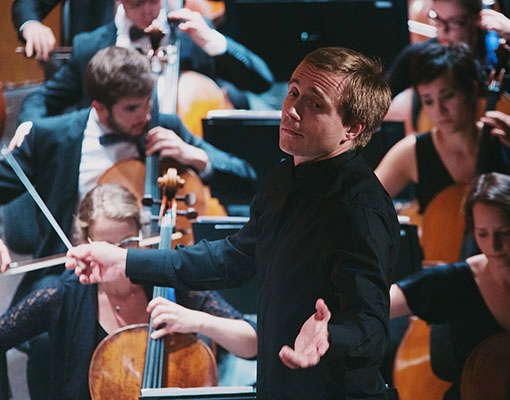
(178, 360)
(485, 374)
(140, 179)
(412, 373)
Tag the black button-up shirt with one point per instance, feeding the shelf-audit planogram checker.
(326, 229)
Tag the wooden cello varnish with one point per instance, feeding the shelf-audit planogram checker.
(486, 374)
(129, 359)
(442, 230)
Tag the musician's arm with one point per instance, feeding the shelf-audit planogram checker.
(398, 307)
(208, 314)
(206, 265)
(30, 10)
(62, 91)
(398, 167)
(29, 317)
(232, 61)
(243, 68)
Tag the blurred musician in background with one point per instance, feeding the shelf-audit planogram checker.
(448, 81)
(84, 16)
(203, 49)
(456, 21)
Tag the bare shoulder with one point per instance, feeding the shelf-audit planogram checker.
(398, 167)
(401, 156)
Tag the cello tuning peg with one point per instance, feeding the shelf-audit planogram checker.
(189, 198)
(189, 213)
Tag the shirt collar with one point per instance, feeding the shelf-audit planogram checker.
(94, 127)
(317, 175)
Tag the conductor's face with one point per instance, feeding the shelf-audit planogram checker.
(129, 115)
(311, 128)
(142, 12)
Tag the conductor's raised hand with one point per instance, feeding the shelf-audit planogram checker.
(97, 262)
(312, 341)
(194, 24)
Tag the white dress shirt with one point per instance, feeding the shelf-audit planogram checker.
(96, 158)
(123, 25)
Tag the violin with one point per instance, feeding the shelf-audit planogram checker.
(177, 360)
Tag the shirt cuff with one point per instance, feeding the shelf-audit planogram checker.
(25, 23)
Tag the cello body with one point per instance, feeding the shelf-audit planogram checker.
(131, 175)
(412, 374)
(197, 95)
(486, 374)
(118, 362)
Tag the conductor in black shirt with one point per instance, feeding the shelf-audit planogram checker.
(321, 240)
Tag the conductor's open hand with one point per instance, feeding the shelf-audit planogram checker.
(312, 342)
(97, 262)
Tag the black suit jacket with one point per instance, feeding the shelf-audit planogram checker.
(238, 65)
(84, 15)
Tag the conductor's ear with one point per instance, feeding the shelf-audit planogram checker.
(352, 132)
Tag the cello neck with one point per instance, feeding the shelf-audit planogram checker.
(153, 368)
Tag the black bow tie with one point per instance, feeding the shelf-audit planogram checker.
(136, 33)
(113, 138)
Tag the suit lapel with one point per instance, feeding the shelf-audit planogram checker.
(69, 167)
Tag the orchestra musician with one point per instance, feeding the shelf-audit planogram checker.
(202, 49)
(471, 297)
(84, 16)
(78, 317)
(322, 237)
(65, 155)
(456, 21)
(447, 79)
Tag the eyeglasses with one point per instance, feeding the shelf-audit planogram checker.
(128, 243)
(454, 23)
